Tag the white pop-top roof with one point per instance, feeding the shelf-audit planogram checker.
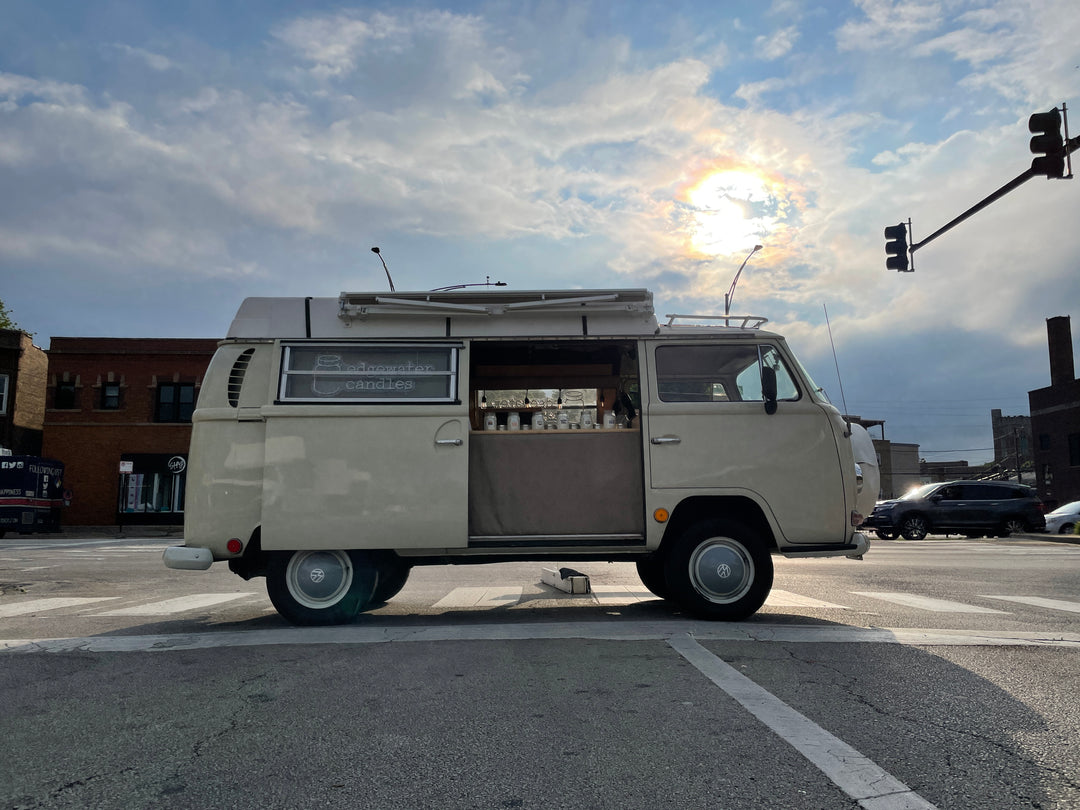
(459, 313)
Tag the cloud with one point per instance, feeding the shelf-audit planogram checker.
(154, 61)
(777, 44)
(888, 24)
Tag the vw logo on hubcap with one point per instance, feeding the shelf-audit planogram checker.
(723, 571)
(317, 575)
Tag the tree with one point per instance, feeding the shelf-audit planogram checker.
(6, 321)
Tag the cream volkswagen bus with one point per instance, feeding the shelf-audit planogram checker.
(338, 442)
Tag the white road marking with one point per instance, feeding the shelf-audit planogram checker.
(927, 603)
(37, 605)
(482, 597)
(600, 631)
(1039, 601)
(856, 775)
(778, 598)
(178, 605)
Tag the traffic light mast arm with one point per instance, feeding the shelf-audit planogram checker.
(979, 206)
(1070, 147)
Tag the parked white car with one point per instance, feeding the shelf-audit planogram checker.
(1063, 520)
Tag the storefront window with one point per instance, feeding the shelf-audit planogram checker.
(151, 488)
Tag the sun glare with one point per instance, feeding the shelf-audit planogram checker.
(730, 211)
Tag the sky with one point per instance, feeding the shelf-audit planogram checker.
(162, 161)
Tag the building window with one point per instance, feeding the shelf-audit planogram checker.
(3, 393)
(110, 397)
(1044, 441)
(1074, 449)
(65, 396)
(175, 402)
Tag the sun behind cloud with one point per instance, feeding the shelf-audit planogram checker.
(728, 210)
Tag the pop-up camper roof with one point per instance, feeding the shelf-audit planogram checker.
(456, 313)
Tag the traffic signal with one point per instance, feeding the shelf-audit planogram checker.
(896, 248)
(1047, 143)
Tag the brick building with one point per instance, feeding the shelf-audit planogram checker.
(23, 367)
(1012, 441)
(118, 414)
(1055, 421)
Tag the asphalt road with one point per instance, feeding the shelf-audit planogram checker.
(934, 674)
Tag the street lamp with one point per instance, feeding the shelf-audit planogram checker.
(730, 294)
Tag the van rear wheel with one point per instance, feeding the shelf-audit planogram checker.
(719, 569)
(320, 587)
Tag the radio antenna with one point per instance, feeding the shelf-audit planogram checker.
(836, 362)
(375, 250)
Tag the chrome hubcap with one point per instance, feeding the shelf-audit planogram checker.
(721, 570)
(319, 579)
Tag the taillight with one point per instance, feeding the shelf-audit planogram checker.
(234, 546)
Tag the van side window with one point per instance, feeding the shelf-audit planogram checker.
(376, 373)
(720, 373)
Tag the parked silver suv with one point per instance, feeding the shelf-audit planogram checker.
(972, 508)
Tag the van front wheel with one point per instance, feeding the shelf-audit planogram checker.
(320, 587)
(719, 569)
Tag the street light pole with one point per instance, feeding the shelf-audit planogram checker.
(729, 296)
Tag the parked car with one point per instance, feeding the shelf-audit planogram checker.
(972, 508)
(1063, 520)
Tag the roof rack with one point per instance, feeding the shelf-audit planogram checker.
(360, 305)
(734, 321)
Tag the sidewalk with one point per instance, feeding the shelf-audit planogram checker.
(68, 532)
(1050, 538)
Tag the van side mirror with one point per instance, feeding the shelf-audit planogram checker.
(768, 388)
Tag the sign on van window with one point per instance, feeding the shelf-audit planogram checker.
(372, 373)
(720, 373)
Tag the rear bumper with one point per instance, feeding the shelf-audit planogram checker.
(188, 558)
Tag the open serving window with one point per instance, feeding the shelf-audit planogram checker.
(543, 471)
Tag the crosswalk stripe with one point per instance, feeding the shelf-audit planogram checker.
(36, 605)
(488, 597)
(1039, 601)
(481, 597)
(178, 605)
(927, 603)
(779, 598)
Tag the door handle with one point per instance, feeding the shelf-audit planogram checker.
(450, 442)
(665, 440)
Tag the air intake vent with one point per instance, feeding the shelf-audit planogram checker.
(236, 376)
